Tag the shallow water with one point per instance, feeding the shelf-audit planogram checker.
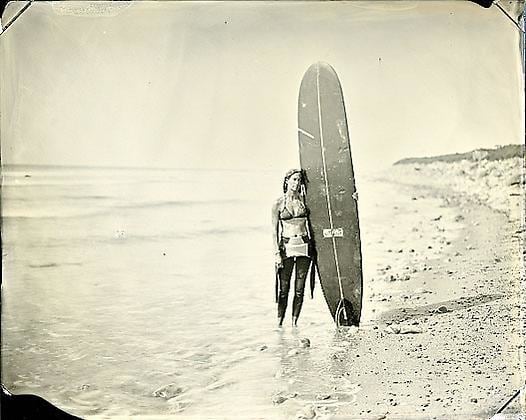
(119, 282)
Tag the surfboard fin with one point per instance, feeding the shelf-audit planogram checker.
(345, 315)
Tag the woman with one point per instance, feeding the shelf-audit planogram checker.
(292, 243)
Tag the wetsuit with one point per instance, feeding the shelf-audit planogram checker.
(301, 262)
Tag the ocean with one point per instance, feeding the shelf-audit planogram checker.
(138, 292)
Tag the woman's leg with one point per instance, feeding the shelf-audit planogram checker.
(284, 286)
(302, 268)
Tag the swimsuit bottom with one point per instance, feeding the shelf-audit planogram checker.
(297, 246)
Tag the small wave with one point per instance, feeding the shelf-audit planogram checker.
(25, 217)
(86, 197)
(41, 199)
(122, 206)
(234, 230)
(126, 238)
(182, 235)
(52, 265)
(176, 203)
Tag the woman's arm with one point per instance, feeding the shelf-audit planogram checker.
(275, 225)
(275, 231)
(307, 225)
(312, 242)
(307, 221)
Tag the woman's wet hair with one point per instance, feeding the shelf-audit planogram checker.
(289, 174)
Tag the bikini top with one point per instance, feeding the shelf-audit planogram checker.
(285, 213)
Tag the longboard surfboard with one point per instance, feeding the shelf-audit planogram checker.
(325, 157)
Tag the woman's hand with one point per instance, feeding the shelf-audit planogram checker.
(278, 261)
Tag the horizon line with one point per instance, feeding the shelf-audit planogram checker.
(88, 166)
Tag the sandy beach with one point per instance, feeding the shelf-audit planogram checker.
(441, 335)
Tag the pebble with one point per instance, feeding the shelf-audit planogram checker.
(421, 291)
(304, 343)
(291, 395)
(393, 329)
(411, 330)
(293, 352)
(168, 391)
(397, 277)
(278, 399)
(323, 396)
(442, 309)
(403, 329)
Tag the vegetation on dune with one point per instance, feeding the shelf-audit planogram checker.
(500, 153)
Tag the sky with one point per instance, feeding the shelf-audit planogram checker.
(215, 84)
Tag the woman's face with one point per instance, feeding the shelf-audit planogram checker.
(294, 181)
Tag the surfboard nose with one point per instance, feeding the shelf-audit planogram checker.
(324, 65)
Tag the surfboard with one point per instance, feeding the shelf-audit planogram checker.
(325, 157)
